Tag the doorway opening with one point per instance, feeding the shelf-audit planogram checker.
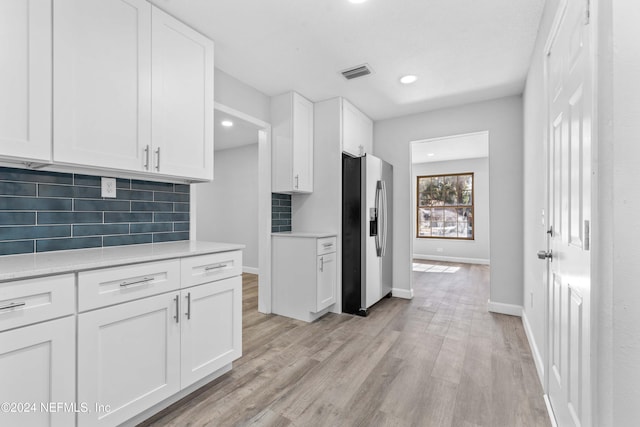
(449, 203)
(236, 206)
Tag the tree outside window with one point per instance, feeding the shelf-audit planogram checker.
(445, 206)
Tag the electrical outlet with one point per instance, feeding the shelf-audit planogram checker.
(109, 187)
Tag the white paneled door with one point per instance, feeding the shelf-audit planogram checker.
(569, 198)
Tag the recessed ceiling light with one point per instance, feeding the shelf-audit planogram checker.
(227, 123)
(431, 154)
(357, 1)
(408, 79)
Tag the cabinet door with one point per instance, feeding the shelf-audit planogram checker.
(37, 365)
(182, 99)
(25, 79)
(211, 328)
(302, 144)
(357, 130)
(326, 281)
(102, 83)
(128, 358)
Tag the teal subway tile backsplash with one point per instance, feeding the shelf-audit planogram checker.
(280, 212)
(47, 211)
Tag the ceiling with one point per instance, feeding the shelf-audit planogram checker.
(241, 133)
(461, 50)
(457, 147)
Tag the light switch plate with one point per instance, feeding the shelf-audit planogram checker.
(109, 187)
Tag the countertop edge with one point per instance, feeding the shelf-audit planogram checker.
(304, 234)
(97, 258)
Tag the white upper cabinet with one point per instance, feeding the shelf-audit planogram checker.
(182, 99)
(102, 83)
(25, 80)
(292, 142)
(133, 90)
(357, 130)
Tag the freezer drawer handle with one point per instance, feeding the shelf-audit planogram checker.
(13, 305)
(215, 267)
(135, 282)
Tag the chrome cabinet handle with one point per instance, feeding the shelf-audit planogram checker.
(146, 153)
(135, 282)
(13, 305)
(215, 267)
(188, 313)
(177, 316)
(321, 264)
(326, 245)
(158, 159)
(297, 181)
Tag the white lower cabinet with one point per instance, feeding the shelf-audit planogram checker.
(128, 358)
(37, 368)
(304, 275)
(136, 354)
(211, 328)
(326, 277)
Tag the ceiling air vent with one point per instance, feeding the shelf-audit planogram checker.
(355, 72)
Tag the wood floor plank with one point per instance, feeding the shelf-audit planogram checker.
(440, 359)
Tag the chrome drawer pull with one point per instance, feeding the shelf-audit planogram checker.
(215, 267)
(188, 313)
(13, 305)
(326, 245)
(135, 282)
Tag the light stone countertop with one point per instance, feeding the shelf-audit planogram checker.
(23, 266)
(307, 234)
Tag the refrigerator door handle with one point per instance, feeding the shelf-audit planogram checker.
(383, 248)
(378, 201)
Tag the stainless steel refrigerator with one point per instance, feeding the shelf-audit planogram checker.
(367, 222)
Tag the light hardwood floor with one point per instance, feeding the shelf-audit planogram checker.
(438, 360)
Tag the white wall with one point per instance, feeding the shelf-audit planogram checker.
(618, 210)
(503, 119)
(476, 250)
(235, 94)
(227, 208)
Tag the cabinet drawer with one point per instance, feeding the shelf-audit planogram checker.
(29, 301)
(326, 245)
(99, 288)
(207, 268)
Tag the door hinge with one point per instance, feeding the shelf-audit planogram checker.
(587, 16)
(587, 234)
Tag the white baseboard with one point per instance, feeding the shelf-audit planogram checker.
(402, 293)
(537, 356)
(452, 259)
(251, 270)
(552, 416)
(510, 309)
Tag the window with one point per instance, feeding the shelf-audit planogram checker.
(445, 206)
